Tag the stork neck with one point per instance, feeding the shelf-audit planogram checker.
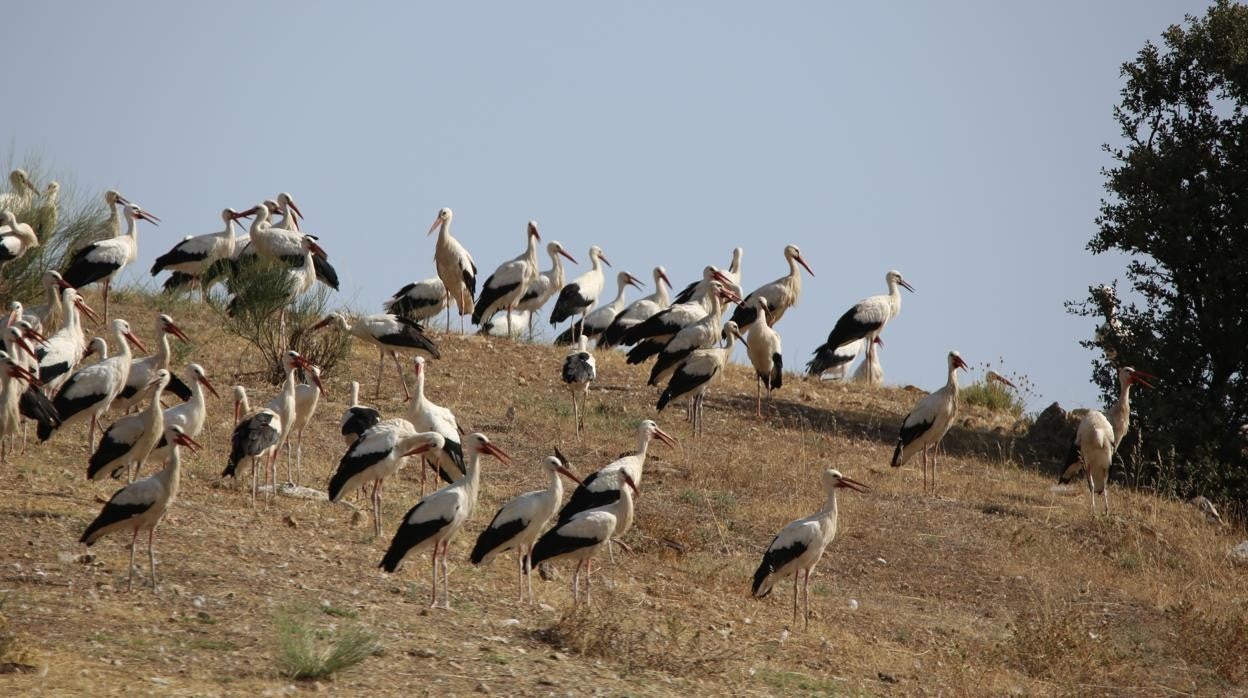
(245, 403)
(162, 352)
(114, 220)
(132, 228)
(660, 293)
(472, 474)
(123, 348)
(735, 267)
(829, 505)
(355, 393)
(894, 297)
(952, 383)
(643, 444)
(619, 294)
(154, 406)
(556, 485)
(595, 263)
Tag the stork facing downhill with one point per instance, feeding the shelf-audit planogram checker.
(391, 333)
(781, 294)
(579, 296)
(763, 347)
(599, 319)
(796, 550)
(103, 260)
(579, 370)
(929, 421)
(864, 321)
(455, 267)
(507, 285)
(637, 312)
(546, 285)
(1098, 438)
(702, 369)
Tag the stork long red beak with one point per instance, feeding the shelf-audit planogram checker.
(533, 231)
(204, 382)
(570, 257)
(34, 334)
(134, 341)
(323, 323)
(665, 437)
(312, 371)
(25, 347)
(802, 261)
(294, 208)
(423, 448)
(177, 332)
(437, 223)
(186, 441)
(632, 281)
(959, 363)
(25, 374)
(85, 309)
(568, 474)
(852, 484)
(663, 276)
(144, 215)
(1139, 377)
(628, 480)
(603, 257)
(1002, 380)
(496, 452)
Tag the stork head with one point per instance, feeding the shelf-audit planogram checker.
(649, 429)
(16, 339)
(159, 380)
(660, 277)
(7, 218)
(52, 278)
(334, 317)
(444, 218)
(791, 252)
(72, 296)
(97, 345)
(308, 243)
(956, 362)
(731, 329)
(533, 231)
(991, 376)
(626, 279)
(480, 443)
(198, 375)
(418, 366)
(175, 434)
(121, 328)
(52, 191)
(112, 197)
(286, 202)
(20, 179)
(16, 371)
(165, 324)
(833, 479)
(893, 277)
(134, 212)
(554, 247)
(557, 464)
(595, 252)
(424, 442)
(1130, 376)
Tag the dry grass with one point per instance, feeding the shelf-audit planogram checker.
(996, 585)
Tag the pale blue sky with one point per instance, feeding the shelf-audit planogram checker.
(956, 142)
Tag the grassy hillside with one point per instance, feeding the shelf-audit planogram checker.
(996, 585)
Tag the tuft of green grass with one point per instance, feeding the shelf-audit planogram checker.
(306, 652)
(993, 396)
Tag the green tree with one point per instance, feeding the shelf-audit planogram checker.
(1177, 206)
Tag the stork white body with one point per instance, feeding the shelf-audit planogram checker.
(90, 391)
(781, 294)
(583, 537)
(508, 284)
(766, 355)
(419, 300)
(702, 369)
(143, 370)
(103, 260)
(196, 253)
(22, 191)
(578, 297)
(637, 312)
(129, 441)
(600, 318)
(929, 421)
(307, 398)
(61, 354)
(871, 372)
(357, 418)
(391, 334)
(16, 239)
(546, 285)
(255, 436)
(798, 547)
(426, 415)
(189, 416)
(1099, 436)
(701, 334)
(437, 519)
(377, 455)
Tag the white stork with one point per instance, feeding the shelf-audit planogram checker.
(193, 256)
(264, 432)
(579, 296)
(307, 397)
(391, 334)
(142, 370)
(46, 317)
(730, 278)
(864, 321)
(870, 372)
(189, 415)
(506, 286)
(455, 267)
(47, 213)
(781, 294)
(598, 320)
(928, 422)
(637, 312)
(16, 239)
(291, 215)
(436, 519)
(23, 191)
(357, 418)
(763, 347)
(702, 369)
(141, 505)
(583, 537)
(60, 355)
(419, 300)
(103, 260)
(546, 285)
(32, 404)
(130, 440)
(520, 521)
(603, 487)
(796, 550)
(285, 245)
(377, 455)
(579, 370)
(448, 462)
(12, 375)
(701, 334)
(652, 334)
(91, 390)
(1098, 437)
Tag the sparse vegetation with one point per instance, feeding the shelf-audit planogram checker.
(305, 650)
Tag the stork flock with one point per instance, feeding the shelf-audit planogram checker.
(43, 378)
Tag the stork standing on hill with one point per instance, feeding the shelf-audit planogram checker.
(763, 347)
(448, 462)
(377, 455)
(507, 285)
(583, 537)
(1098, 437)
(637, 312)
(61, 354)
(130, 440)
(14, 380)
(520, 521)
(701, 334)
(46, 317)
(391, 334)
(546, 285)
(103, 260)
(419, 300)
(579, 296)
(730, 277)
(196, 253)
(32, 404)
(603, 487)
(796, 550)
(298, 281)
(455, 267)
(141, 505)
(652, 334)
(929, 421)
(579, 370)
(357, 418)
(16, 239)
(864, 321)
(436, 519)
(307, 397)
(699, 372)
(91, 390)
(870, 371)
(142, 370)
(781, 294)
(598, 320)
(284, 242)
(189, 415)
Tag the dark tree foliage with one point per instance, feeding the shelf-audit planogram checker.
(1177, 206)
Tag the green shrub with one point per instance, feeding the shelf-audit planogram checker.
(305, 651)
